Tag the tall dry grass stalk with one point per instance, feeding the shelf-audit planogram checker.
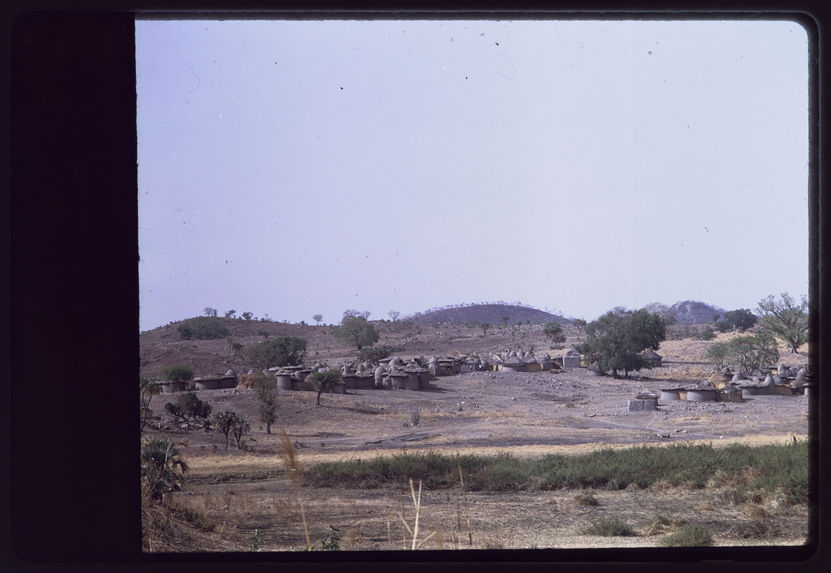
(415, 544)
(467, 510)
(288, 454)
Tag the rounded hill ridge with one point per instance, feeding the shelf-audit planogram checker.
(492, 313)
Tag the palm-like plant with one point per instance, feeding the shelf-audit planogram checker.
(161, 466)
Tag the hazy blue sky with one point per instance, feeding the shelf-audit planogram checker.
(302, 167)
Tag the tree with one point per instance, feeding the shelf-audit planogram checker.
(751, 353)
(616, 339)
(265, 388)
(177, 373)
(247, 315)
(209, 311)
(394, 314)
(785, 319)
(317, 318)
(665, 312)
(324, 381)
(351, 313)
(277, 351)
(356, 331)
(230, 423)
(230, 313)
(203, 328)
(580, 324)
(188, 408)
(162, 467)
(147, 389)
(505, 319)
(554, 332)
(485, 327)
(717, 352)
(741, 319)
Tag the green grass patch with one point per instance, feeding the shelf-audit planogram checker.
(772, 468)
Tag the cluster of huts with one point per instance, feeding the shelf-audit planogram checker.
(394, 372)
(726, 386)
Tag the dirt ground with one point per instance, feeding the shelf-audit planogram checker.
(253, 506)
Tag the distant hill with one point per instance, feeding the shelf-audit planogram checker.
(491, 313)
(695, 312)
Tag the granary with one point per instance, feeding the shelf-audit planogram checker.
(652, 358)
(571, 358)
(215, 382)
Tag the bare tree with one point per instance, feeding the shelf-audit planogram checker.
(317, 318)
(394, 314)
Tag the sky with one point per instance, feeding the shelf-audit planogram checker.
(290, 168)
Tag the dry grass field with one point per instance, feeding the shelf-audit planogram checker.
(245, 500)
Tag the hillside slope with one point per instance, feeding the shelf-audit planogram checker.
(492, 313)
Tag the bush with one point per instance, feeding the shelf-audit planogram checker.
(231, 424)
(189, 408)
(707, 334)
(162, 468)
(278, 351)
(177, 373)
(691, 535)
(375, 353)
(610, 528)
(203, 328)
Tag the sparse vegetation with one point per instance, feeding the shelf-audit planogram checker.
(554, 332)
(203, 328)
(231, 424)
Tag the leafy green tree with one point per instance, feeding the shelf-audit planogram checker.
(324, 381)
(265, 388)
(247, 315)
(616, 339)
(189, 409)
(717, 352)
(786, 319)
(162, 467)
(177, 373)
(723, 326)
(741, 319)
(554, 332)
(203, 328)
(356, 331)
(751, 353)
(277, 351)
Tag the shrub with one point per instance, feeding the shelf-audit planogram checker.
(177, 373)
(190, 409)
(610, 528)
(162, 467)
(586, 500)
(691, 535)
(375, 353)
(203, 328)
(707, 334)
